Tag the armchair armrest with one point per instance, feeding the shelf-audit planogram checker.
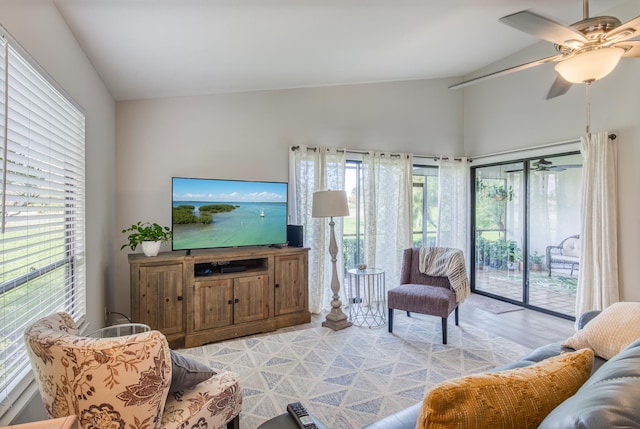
(556, 250)
(587, 317)
(215, 401)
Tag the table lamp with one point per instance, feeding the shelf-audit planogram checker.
(332, 204)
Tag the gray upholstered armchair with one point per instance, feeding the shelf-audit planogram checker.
(420, 293)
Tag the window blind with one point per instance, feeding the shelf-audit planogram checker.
(42, 211)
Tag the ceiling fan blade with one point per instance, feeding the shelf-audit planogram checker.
(560, 87)
(508, 70)
(542, 161)
(544, 28)
(624, 32)
(631, 47)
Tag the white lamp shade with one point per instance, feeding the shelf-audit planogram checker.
(330, 204)
(589, 65)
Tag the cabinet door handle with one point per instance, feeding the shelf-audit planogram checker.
(230, 302)
(277, 284)
(179, 298)
(236, 300)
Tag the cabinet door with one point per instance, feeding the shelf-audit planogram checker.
(161, 297)
(212, 304)
(251, 296)
(290, 284)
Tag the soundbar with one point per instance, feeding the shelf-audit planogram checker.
(232, 268)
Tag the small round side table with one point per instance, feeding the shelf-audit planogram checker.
(119, 330)
(367, 297)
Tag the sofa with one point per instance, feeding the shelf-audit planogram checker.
(608, 399)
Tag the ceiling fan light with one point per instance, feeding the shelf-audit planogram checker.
(591, 65)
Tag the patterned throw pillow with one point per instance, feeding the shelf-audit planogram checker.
(516, 398)
(610, 331)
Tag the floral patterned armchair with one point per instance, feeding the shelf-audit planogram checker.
(123, 382)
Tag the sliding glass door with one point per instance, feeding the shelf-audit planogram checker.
(499, 230)
(526, 220)
(555, 186)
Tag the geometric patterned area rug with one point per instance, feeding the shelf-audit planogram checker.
(355, 376)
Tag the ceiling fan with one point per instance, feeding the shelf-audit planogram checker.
(588, 50)
(545, 165)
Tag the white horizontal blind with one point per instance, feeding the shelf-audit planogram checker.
(42, 230)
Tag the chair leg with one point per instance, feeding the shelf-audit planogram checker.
(390, 320)
(408, 314)
(234, 423)
(457, 315)
(444, 330)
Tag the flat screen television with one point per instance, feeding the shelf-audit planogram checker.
(211, 213)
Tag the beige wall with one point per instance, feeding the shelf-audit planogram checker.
(511, 112)
(247, 136)
(39, 28)
(134, 148)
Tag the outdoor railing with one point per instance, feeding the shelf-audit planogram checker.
(353, 248)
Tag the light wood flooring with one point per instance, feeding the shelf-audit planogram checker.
(529, 328)
(526, 327)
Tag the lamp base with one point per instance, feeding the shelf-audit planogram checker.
(336, 320)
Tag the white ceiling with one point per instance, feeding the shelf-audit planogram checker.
(158, 48)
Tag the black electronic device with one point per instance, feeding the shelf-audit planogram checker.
(232, 268)
(206, 269)
(301, 416)
(295, 235)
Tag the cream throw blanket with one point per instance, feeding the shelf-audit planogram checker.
(446, 262)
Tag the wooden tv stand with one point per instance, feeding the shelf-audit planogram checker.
(213, 295)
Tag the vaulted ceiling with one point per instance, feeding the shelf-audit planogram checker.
(159, 48)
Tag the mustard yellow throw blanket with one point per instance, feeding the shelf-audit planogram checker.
(446, 262)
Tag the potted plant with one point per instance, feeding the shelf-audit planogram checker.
(480, 252)
(520, 259)
(500, 193)
(149, 235)
(536, 261)
(512, 255)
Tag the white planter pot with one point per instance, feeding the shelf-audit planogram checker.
(151, 248)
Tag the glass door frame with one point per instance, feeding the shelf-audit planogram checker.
(526, 168)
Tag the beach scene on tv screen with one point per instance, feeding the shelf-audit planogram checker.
(210, 213)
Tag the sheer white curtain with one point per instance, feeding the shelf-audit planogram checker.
(316, 169)
(387, 182)
(598, 279)
(453, 197)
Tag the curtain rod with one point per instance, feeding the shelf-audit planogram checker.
(315, 148)
(435, 157)
(612, 136)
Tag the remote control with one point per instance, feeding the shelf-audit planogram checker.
(301, 416)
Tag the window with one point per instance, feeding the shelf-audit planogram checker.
(425, 205)
(353, 234)
(42, 225)
(425, 210)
